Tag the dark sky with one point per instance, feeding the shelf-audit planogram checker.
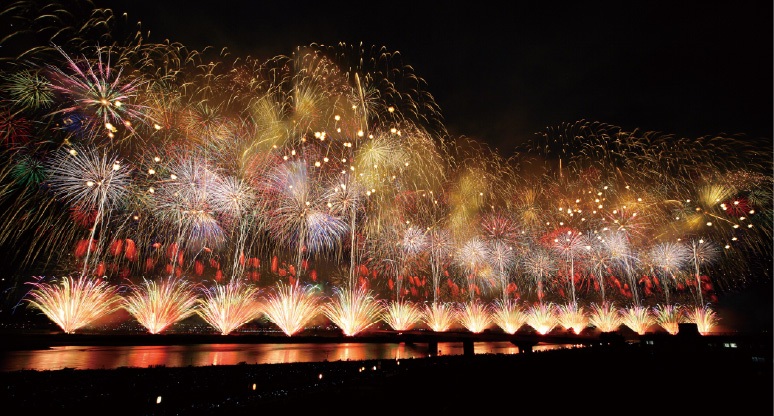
(501, 74)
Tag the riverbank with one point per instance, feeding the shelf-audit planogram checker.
(621, 379)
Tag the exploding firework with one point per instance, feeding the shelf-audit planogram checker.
(291, 307)
(328, 156)
(704, 318)
(353, 310)
(570, 245)
(572, 317)
(474, 316)
(542, 317)
(227, 307)
(99, 93)
(671, 258)
(605, 317)
(89, 180)
(637, 318)
(669, 317)
(401, 315)
(508, 316)
(158, 305)
(74, 303)
(439, 316)
(471, 256)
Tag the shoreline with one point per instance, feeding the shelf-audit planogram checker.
(605, 377)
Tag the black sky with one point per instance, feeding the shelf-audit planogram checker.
(502, 73)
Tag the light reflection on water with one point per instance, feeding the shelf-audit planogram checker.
(82, 357)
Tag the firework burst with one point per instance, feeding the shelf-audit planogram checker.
(74, 303)
(158, 305)
(572, 317)
(353, 310)
(474, 316)
(705, 318)
(508, 316)
(99, 93)
(227, 307)
(401, 315)
(439, 316)
(605, 317)
(542, 317)
(637, 318)
(291, 307)
(669, 317)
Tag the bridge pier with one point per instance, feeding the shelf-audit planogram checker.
(468, 349)
(432, 348)
(524, 347)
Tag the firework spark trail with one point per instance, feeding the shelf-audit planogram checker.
(401, 315)
(670, 257)
(474, 316)
(158, 305)
(439, 316)
(569, 245)
(542, 317)
(97, 92)
(291, 307)
(353, 310)
(74, 303)
(227, 307)
(605, 317)
(538, 264)
(440, 248)
(702, 253)
(233, 198)
(210, 148)
(86, 179)
(501, 232)
(705, 318)
(637, 318)
(669, 317)
(471, 256)
(508, 316)
(618, 246)
(572, 317)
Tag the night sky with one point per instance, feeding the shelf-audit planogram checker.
(687, 68)
(502, 74)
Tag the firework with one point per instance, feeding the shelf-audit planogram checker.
(401, 315)
(542, 317)
(508, 316)
(227, 307)
(328, 156)
(89, 180)
(605, 317)
(670, 257)
(669, 317)
(637, 318)
(439, 316)
(98, 92)
(471, 256)
(28, 90)
(702, 253)
(572, 317)
(158, 305)
(569, 245)
(539, 264)
(74, 303)
(353, 310)
(291, 307)
(704, 318)
(474, 316)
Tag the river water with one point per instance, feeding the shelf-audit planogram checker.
(96, 357)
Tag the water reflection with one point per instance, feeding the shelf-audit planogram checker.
(81, 357)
